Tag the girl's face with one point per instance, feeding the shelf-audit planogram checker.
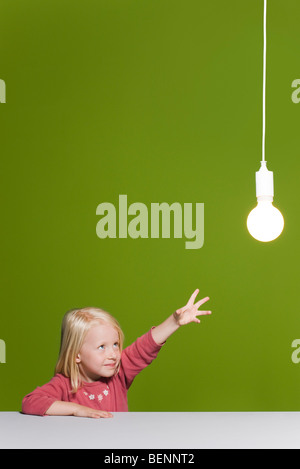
(100, 353)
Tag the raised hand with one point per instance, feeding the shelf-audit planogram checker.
(190, 311)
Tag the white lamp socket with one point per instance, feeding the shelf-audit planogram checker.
(264, 182)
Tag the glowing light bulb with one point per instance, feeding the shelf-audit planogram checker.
(265, 222)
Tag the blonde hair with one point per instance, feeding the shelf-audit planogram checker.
(75, 326)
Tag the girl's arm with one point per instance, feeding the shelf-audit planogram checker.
(71, 408)
(180, 317)
(41, 398)
(52, 399)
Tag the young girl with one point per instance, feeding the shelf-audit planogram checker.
(93, 372)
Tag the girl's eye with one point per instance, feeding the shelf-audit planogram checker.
(101, 347)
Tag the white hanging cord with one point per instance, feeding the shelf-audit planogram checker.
(264, 82)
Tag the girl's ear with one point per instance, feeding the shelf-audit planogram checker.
(78, 359)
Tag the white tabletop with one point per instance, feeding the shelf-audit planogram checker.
(156, 430)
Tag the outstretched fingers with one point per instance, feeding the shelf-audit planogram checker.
(203, 313)
(193, 297)
(201, 302)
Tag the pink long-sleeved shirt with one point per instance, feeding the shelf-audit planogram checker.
(108, 394)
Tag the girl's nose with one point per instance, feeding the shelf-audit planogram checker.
(112, 353)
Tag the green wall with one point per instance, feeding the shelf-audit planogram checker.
(162, 101)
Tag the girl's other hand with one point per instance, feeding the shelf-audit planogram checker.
(82, 411)
(190, 311)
